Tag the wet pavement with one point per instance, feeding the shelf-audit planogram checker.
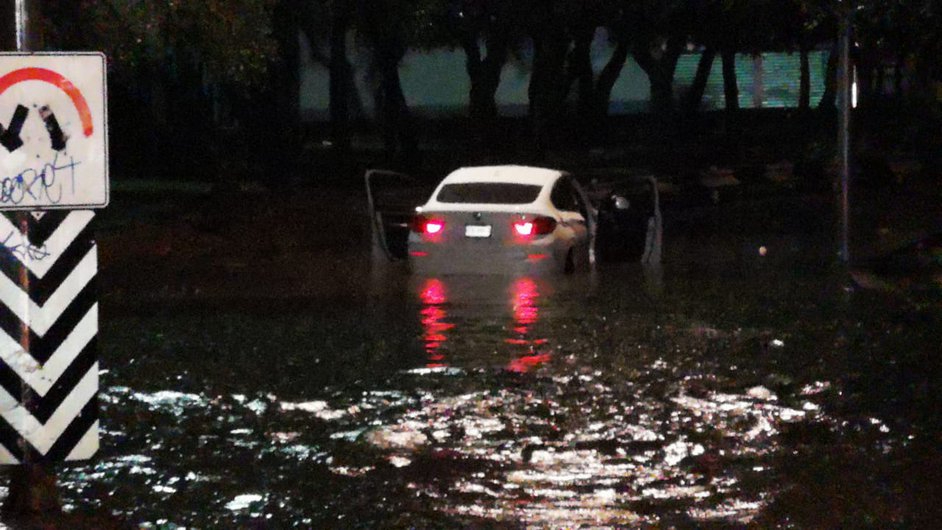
(727, 389)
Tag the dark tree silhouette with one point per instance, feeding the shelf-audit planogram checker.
(385, 30)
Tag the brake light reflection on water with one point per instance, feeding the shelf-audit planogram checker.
(434, 296)
(524, 297)
(523, 300)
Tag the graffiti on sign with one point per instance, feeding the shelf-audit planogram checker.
(53, 139)
(21, 248)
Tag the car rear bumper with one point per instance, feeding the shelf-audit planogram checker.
(431, 259)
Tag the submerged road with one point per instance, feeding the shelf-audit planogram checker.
(727, 388)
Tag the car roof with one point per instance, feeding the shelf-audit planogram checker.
(514, 174)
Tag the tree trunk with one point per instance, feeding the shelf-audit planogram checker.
(804, 92)
(484, 77)
(478, 106)
(730, 85)
(399, 135)
(387, 50)
(698, 87)
(607, 79)
(340, 81)
(547, 84)
(580, 71)
(284, 133)
(660, 73)
(610, 74)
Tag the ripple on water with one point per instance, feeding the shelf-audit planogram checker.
(558, 461)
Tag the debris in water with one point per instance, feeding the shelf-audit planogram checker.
(815, 388)
(242, 502)
(399, 461)
(760, 392)
(401, 436)
(170, 400)
(734, 510)
(284, 437)
(444, 370)
(320, 409)
(257, 406)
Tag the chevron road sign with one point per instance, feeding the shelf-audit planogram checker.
(53, 167)
(48, 391)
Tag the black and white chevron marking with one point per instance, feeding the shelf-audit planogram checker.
(48, 395)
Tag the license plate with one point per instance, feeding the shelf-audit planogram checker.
(477, 230)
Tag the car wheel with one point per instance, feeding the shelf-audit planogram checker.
(570, 266)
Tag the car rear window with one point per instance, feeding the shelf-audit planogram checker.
(489, 193)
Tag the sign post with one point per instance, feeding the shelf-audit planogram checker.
(53, 171)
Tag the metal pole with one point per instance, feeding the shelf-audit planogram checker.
(22, 220)
(33, 488)
(843, 130)
(22, 21)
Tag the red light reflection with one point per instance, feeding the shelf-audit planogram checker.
(433, 296)
(528, 362)
(524, 294)
(524, 297)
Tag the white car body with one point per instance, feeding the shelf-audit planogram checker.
(478, 231)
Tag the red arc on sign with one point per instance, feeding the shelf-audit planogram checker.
(56, 79)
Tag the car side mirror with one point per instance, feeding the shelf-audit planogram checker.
(621, 203)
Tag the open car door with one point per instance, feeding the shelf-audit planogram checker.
(392, 198)
(629, 219)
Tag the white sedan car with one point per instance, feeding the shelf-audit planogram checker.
(503, 219)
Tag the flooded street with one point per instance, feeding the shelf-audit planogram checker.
(697, 399)
(730, 388)
(476, 265)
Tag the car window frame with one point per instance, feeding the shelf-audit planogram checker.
(563, 186)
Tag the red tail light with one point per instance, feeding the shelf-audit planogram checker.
(426, 225)
(538, 226)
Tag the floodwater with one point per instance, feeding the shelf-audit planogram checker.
(691, 398)
(740, 390)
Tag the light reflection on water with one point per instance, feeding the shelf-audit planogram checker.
(560, 468)
(432, 315)
(528, 402)
(593, 451)
(523, 296)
